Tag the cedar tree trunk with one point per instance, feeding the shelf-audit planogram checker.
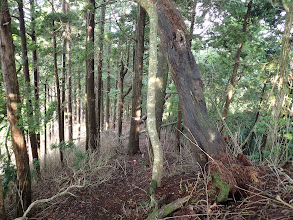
(12, 100)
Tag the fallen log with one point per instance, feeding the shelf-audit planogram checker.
(167, 209)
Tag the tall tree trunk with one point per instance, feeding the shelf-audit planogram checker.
(36, 69)
(235, 70)
(69, 76)
(256, 118)
(115, 105)
(178, 127)
(100, 64)
(157, 172)
(2, 207)
(93, 126)
(32, 134)
(284, 76)
(79, 104)
(133, 144)
(45, 124)
(13, 99)
(108, 82)
(64, 51)
(187, 79)
(122, 74)
(61, 128)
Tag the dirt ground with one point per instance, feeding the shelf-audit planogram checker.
(119, 189)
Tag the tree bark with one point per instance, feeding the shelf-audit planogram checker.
(133, 144)
(122, 74)
(100, 64)
(2, 207)
(108, 82)
(12, 100)
(32, 134)
(115, 105)
(92, 131)
(36, 69)
(69, 75)
(64, 51)
(187, 79)
(235, 70)
(61, 132)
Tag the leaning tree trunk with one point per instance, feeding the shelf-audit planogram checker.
(133, 144)
(32, 134)
(12, 100)
(188, 82)
(235, 70)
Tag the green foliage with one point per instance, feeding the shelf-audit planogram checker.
(50, 111)
(63, 145)
(79, 156)
(8, 176)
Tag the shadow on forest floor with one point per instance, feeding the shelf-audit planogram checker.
(117, 189)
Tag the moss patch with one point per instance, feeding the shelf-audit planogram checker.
(223, 187)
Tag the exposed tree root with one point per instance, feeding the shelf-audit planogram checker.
(229, 174)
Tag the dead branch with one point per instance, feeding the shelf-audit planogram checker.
(66, 191)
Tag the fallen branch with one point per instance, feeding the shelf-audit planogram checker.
(48, 200)
(167, 209)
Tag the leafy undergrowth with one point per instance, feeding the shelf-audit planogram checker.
(115, 188)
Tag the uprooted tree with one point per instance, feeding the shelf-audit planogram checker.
(206, 142)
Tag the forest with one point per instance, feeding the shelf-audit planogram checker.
(146, 109)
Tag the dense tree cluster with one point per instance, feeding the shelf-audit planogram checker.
(99, 64)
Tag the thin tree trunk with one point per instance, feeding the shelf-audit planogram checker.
(100, 64)
(284, 75)
(13, 99)
(61, 130)
(64, 51)
(2, 207)
(122, 74)
(235, 70)
(256, 118)
(32, 134)
(178, 127)
(115, 105)
(108, 82)
(79, 104)
(6, 144)
(157, 172)
(70, 121)
(133, 144)
(45, 125)
(93, 126)
(36, 69)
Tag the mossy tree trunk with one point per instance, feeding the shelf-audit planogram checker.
(157, 172)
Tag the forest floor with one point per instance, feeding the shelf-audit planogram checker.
(111, 186)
